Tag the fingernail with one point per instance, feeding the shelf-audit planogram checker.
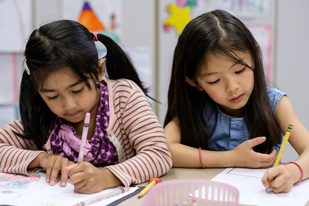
(52, 182)
(62, 183)
(47, 180)
(75, 190)
(266, 186)
(263, 138)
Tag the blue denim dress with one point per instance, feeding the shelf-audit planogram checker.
(227, 132)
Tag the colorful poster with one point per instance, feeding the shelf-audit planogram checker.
(181, 12)
(15, 24)
(240, 8)
(103, 16)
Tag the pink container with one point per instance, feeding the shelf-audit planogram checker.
(180, 192)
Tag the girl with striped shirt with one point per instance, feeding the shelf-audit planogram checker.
(62, 81)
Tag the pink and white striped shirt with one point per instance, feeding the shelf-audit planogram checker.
(133, 129)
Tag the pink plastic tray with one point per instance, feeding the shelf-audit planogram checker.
(180, 192)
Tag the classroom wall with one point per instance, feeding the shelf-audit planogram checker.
(289, 20)
(292, 60)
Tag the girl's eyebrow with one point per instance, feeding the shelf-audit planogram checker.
(52, 90)
(211, 73)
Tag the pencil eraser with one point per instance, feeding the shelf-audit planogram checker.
(87, 118)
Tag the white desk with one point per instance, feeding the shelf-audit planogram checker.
(179, 173)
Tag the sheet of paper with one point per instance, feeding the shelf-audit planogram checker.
(12, 186)
(252, 192)
(19, 190)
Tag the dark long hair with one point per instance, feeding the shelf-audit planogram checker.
(210, 33)
(57, 45)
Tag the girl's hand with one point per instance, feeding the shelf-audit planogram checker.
(88, 179)
(281, 178)
(245, 156)
(54, 164)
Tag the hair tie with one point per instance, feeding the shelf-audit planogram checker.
(26, 67)
(201, 159)
(95, 34)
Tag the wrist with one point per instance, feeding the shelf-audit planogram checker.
(232, 160)
(36, 162)
(296, 171)
(110, 180)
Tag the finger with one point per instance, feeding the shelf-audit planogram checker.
(255, 141)
(273, 155)
(80, 187)
(77, 178)
(64, 175)
(55, 170)
(264, 157)
(265, 180)
(67, 169)
(284, 187)
(49, 162)
(80, 168)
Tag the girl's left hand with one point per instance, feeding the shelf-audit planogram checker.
(279, 179)
(86, 178)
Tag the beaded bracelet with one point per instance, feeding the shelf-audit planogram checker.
(301, 169)
(200, 151)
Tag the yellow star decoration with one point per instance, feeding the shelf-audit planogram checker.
(179, 18)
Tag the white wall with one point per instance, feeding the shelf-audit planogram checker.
(293, 56)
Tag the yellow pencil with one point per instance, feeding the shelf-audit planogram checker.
(286, 137)
(152, 181)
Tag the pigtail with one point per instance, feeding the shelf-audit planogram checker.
(118, 65)
(35, 115)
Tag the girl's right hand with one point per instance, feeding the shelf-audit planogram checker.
(54, 164)
(245, 156)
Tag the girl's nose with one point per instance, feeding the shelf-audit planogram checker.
(69, 103)
(232, 86)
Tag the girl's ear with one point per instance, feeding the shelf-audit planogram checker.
(194, 83)
(101, 69)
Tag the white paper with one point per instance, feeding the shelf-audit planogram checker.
(15, 24)
(252, 191)
(34, 191)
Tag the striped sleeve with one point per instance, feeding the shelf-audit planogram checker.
(15, 155)
(146, 139)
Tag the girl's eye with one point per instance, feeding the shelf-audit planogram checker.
(213, 82)
(51, 98)
(78, 91)
(238, 72)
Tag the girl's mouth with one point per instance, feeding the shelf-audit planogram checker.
(73, 115)
(237, 99)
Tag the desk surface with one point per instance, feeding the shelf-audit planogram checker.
(179, 173)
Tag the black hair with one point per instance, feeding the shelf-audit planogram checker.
(57, 45)
(212, 33)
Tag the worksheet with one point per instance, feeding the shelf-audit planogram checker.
(19, 190)
(252, 191)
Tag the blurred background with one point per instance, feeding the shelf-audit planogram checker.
(148, 31)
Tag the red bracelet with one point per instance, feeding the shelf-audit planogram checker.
(301, 169)
(201, 157)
